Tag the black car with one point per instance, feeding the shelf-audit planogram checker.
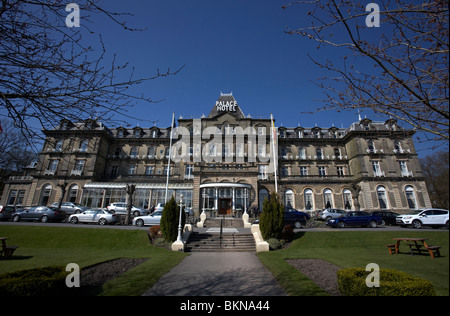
(6, 212)
(295, 219)
(387, 217)
(43, 214)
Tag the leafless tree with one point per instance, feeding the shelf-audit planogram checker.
(49, 71)
(399, 69)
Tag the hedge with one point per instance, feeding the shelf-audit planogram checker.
(352, 282)
(46, 281)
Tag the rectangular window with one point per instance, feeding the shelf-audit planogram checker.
(322, 171)
(303, 171)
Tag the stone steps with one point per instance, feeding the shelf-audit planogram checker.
(207, 242)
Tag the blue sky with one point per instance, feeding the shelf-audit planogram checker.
(226, 46)
(237, 46)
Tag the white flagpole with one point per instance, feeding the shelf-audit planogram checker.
(274, 136)
(170, 156)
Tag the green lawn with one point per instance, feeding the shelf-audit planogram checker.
(46, 246)
(357, 249)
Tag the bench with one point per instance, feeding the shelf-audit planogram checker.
(391, 248)
(434, 250)
(8, 251)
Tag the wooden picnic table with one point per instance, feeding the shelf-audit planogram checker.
(415, 246)
(6, 251)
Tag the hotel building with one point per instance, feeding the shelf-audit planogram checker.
(224, 163)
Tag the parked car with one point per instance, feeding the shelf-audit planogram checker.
(425, 217)
(330, 213)
(70, 208)
(295, 219)
(293, 210)
(39, 213)
(356, 219)
(121, 208)
(389, 218)
(7, 211)
(188, 211)
(149, 220)
(99, 216)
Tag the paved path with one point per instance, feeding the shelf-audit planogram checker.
(218, 274)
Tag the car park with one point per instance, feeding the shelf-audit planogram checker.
(69, 207)
(99, 216)
(388, 217)
(149, 220)
(43, 214)
(121, 208)
(330, 213)
(356, 219)
(424, 217)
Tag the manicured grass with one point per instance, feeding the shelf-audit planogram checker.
(357, 249)
(49, 246)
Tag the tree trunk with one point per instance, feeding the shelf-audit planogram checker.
(130, 190)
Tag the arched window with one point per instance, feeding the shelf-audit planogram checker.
(289, 199)
(410, 197)
(134, 152)
(45, 194)
(309, 200)
(382, 197)
(263, 195)
(73, 193)
(151, 151)
(328, 198)
(117, 151)
(347, 196)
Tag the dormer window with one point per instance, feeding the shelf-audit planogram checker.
(137, 133)
(120, 133)
(154, 133)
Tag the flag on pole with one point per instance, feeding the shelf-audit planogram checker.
(274, 140)
(170, 156)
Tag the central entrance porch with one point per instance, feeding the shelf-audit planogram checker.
(229, 199)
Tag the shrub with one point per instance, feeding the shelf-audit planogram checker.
(154, 232)
(170, 220)
(287, 234)
(275, 244)
(271, 221)
(352, 282)
(46, 281)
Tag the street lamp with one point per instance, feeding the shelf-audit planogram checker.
(179, 238)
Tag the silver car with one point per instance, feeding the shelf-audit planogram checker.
(99, 216)
(149, 220)
(121, 208)
(331, 213)
(69, 207)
